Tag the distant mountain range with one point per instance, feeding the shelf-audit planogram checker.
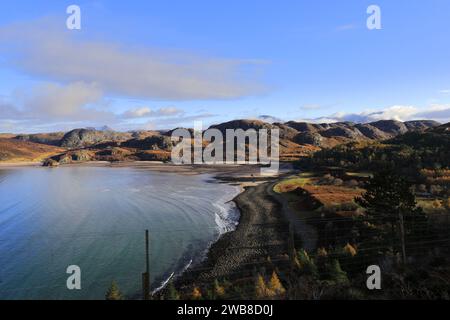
(296, 138)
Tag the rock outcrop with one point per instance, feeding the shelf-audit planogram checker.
(80, 138)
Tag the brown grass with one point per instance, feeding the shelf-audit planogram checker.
(290, 151)
(7, 135)
(12, 150)
(333, 195)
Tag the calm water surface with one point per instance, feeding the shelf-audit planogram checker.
(95, 217)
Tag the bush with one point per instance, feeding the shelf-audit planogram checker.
(437, 204)
(196, 294)
(219, 291)
(352, 183)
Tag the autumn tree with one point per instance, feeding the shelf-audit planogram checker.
(350, 250)
(196, 294)
(275, 285)
(113, 292)
(219, 291)
(261, 290)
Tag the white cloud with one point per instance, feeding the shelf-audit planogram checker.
(171, 122)
(146, 112)
(312, 106)
(439, 113)
(42, 49)
(50, 102)
(169, 111)
(269, 118)
(137, 113)
(52, 107)
(53, 101)
(77, 74)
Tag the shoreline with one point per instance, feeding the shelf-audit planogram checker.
(260, 229)
(20, 164)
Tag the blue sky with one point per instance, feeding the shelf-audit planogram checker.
(161, 64)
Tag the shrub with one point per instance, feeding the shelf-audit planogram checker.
(352, 183)
(447, 203)
(437, 204)
(322, 252)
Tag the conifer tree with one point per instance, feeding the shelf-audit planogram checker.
(275, 285)
(335, 272)
(261, 291)
(113, 292)
(305, 263)
(388, 200)
(172, 293)
(219, 291)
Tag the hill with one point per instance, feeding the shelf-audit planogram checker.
(408, 152)
(297, 139)
(52, 139)
(79, 138)
(13, 150)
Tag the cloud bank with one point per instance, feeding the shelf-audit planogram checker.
(45, 49)
(78, 76)
(439, 113)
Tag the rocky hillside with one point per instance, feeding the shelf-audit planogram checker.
(408, 153)
(297, 139)
(331, 134)
(53, 139)
(80, 138)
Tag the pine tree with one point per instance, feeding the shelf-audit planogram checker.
(306, 264)
(172, 293)
(261, 291)
(335, 272)
(388, 200)
(219, 291)
(275, 285)
(113, 292)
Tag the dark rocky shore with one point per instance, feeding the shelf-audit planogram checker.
(260, 234)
